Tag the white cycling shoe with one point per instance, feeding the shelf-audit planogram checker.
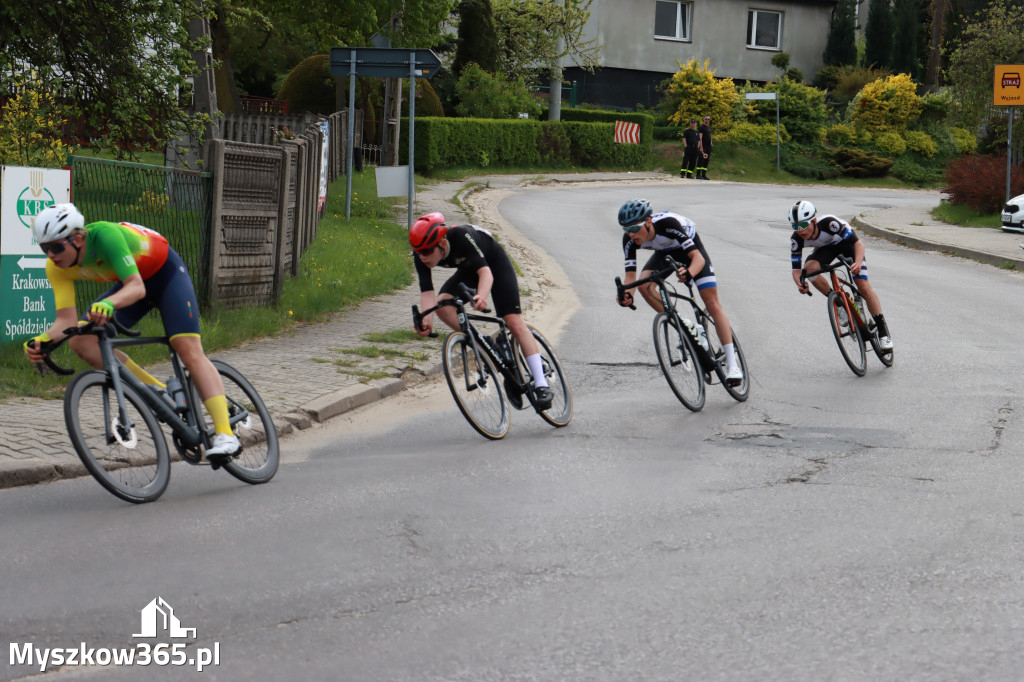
(885, 343)
(734, 375)
(224, 445)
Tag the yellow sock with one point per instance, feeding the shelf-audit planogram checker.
(217, 406)
(143, 376)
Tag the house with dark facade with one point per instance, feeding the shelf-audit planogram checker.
(642, 41)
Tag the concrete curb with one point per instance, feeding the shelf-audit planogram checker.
(927, 245)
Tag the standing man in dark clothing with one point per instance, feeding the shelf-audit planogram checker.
(704, 148)
(691, 143)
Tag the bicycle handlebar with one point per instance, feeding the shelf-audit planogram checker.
(47, 348)
(659, 277)
(417, 316)
(844, 262)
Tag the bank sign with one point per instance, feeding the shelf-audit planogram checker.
(26, 300)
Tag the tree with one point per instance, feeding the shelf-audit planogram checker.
(123, 64)
(993, 37)
(905, 58)
(879, 34)
(529, 32)
(841, 46)
(478, 41)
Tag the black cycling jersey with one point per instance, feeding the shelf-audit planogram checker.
(832, 231)
(469, 249)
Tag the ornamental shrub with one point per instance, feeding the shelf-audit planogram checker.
(886, 104)
(801, 106)
(979, 180)
(966, 142)
(32, 124)
(756, 133)
(860, 164)
(693, 92)
(890, 143)
(485, 95)
(310, 86)
(908, 170)
(841, 135)
(922, 143)
(809, 166)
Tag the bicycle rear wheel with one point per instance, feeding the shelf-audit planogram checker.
(251, 423)
(560, 411)
(476, 387)
(847, 333)
(740, 391)
(679, 362)
(133, 464)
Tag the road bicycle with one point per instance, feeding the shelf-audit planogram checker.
(844, 304)
(689, 349)
(113, 419)
(488, 374)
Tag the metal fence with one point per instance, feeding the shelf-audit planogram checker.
(175, 203)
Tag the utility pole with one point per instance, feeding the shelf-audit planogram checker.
(396, 27)
(555, 84)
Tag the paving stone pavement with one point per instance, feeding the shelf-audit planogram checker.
(295, 372)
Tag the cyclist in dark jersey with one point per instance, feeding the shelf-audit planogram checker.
(670, 234)
(482, 264)
(146, 273)
(830, 237)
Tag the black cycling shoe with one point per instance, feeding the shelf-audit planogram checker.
(542, 398)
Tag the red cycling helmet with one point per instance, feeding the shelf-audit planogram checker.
(427, 231)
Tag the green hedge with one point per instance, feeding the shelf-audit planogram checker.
(476, 142)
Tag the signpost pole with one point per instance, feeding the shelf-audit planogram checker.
(412, 135)
(1009, 155)
(351, 133)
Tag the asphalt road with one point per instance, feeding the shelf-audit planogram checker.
(831, 527)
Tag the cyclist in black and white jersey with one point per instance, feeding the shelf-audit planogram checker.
(480, 263)
(831, 237)
(670, 234)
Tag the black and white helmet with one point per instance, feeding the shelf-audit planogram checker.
(56, 222)
(802, 211)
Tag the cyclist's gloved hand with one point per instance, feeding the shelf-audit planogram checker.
(32, 347)
(684, 275)
(101, 309)
(626, 300)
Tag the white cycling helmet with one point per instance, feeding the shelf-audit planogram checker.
(56, 222)
(801, 211)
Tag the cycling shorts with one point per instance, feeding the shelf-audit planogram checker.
(824, 255)
(170, 291)
(705, 279)
(504, 291)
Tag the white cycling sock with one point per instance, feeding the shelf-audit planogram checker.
(730, 356)
(537, 370)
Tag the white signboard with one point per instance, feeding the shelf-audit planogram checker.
(26, 304)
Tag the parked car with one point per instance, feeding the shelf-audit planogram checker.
(1013, 215)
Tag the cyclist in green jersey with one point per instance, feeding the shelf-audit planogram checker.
(146, 273)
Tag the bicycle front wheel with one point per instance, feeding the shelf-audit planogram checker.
(130, 460)
(847, 333)
(250, 422)
(476, 387)
(679, 361)
(560, 411)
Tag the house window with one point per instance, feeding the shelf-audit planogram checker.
(672, 19)
(764, 29)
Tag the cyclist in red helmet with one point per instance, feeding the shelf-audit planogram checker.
(482, 264)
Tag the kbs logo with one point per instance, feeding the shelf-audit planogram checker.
(1011, 80)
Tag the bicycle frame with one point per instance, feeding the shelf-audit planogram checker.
(478, 340)
(842, 285)
(668, 302)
